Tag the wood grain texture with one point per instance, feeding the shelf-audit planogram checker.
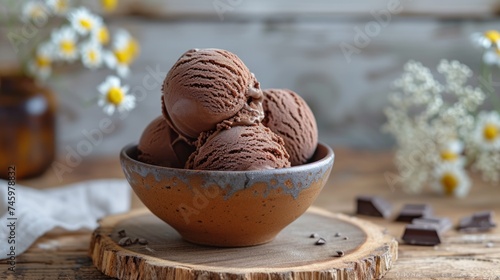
(369, 253)
(62, 255)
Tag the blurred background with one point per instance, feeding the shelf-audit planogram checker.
(340, 56)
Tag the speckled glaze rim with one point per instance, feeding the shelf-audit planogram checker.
(327, 160)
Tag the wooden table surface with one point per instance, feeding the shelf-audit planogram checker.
(62, 255)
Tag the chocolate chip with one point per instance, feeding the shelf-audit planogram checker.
(143, 241)
(478, 222)
(414, 211)
(125, 241)
(422, 234)
(442, 224)
(320, 241)
(340, 253)
(314, 235)
(373, 206)
(122, 233)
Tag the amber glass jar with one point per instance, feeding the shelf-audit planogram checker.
(27, 126)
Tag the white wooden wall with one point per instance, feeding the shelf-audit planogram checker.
(284, 48)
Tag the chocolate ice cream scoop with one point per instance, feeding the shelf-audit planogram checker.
(160, 145)
(206, 87)
(289, 116)
(239, 148)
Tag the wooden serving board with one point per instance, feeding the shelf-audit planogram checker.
(368, 251)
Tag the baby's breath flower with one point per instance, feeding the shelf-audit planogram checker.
(114, 96)
(428, 130)
(65, 42)
(488, 163)
(486, 39)
(451, 180)
(41, 66)
(91, 54)
(35, 11)
(487, 132)
(59, 7)
(109, 5)
(83, 21)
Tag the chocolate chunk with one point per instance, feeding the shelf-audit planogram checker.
(414, 211)
(442, 224)
(479, 221)
(320, 241)
(143, 241)
(373, 206)
(122, 233)
(421, 234)
(314, 235)
(125, 241)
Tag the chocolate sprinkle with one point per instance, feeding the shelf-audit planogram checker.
(337, 234)
(340, 253)
(314, 235)
(122, 233)
(320, 241)
(125, 241)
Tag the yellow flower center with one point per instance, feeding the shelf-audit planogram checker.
(123, 57)
(92, 56)
(37, 12)
(42, 61)
(492, 35)
(115, 95)
(448, 155)
(490, 132)
(67, 46)
(62, 5)
(103, 35)
(449, 183)
(86, 23)
(109, 5)
(132, 47)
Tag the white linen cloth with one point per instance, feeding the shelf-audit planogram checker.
(72, 207)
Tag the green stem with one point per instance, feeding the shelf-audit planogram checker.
(486, 82)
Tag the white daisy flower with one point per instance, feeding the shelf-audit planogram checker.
(83, 21)
(114, 96)
(34, 11)
(109, 5)
(59, 7)
(486, 39)
(41, 66)
(125, 50)
(492, 57)
(91, 54)
(451, 152)
(451, 179)
(487, 132)
(100, 34)
(65, 41)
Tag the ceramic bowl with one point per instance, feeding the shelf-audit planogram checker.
(228, 208)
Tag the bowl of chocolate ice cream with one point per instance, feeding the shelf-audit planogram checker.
(227, 163)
